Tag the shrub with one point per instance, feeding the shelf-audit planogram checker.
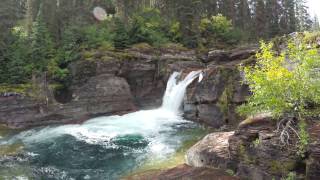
(96, 35)
(174, 33)
(218, 30)
(147, 26)
(286, 83)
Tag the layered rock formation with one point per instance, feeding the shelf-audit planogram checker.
(254, 151)
(105, 83)
(101, 95)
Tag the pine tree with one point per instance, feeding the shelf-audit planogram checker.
(188, 16)
(121, 38)
(287, 18)
(243, 20)
(41, 44)
(209, 7)
(315, 24)
(228, 9)
(259, 18)
(273, 16)
(304, 21)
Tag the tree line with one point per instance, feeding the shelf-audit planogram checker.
(39, 36)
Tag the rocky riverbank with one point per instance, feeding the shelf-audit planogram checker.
(254, 151)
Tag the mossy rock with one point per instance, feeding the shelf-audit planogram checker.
(174, 46)
(4, 130)
(21, 89)
(88, 54)
(10, 150)
(142, 47)
(281, 167)
(245, 156)
(123, 56)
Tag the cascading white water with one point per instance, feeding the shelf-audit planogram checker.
(175, 91)
(120, 136)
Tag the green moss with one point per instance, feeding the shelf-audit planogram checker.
(18, 88)
(88, 54)
(4, 130)
(290, 176)
(281, 167)
(107, 58)
(256, 142)
(230, 172)
(11, 149)
(106, 46)
(125, 56)
(248, 159)
(303, 139)
(142, 46)
(224, 101)
(174, 46)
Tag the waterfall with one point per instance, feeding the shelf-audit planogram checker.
(175, 91)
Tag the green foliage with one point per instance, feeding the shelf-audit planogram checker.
(256, 142)
(311, 37)
(42, 47)
(218, 29)
(175, 34)
(14, 70)
(290, 176)
(219, 25)
(230, 172)
(121, 38)
(56, 72)
(96, 35)
(286, 83)
(21, 88)
(303, 139)
(147, 26)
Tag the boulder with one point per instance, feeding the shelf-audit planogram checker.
(211, 151)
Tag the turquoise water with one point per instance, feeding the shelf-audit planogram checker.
(95, 150)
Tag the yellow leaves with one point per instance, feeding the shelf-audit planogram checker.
(279, 73)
